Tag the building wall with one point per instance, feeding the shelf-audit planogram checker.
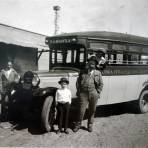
(43, 63)
(24, 58)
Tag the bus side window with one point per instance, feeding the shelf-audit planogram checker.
(79, 55)
(68, 57)
(110, 58)
(133, 59)
(144, 59)
(129, 59)
(119, 59)
(116, 58)
(59, 56)
(82, 55)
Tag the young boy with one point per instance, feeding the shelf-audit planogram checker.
(63, 101)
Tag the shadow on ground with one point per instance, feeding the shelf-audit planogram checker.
(116, 109)
(34, 126)
(108, 110)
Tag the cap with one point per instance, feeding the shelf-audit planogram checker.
(93, 58)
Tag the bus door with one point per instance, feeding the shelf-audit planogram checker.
(74, 58)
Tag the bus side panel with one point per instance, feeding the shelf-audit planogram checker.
(132, 87)
(116, 90)
(104, 93)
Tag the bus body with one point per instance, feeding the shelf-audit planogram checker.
(125, 77)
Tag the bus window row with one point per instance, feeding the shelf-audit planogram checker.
(126, 59)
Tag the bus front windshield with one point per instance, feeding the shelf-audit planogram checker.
(64, 56)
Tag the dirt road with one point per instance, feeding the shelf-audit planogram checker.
(113, 128)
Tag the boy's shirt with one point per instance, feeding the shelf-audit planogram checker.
(63, 95)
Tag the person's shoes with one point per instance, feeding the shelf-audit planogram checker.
(90, 129)
(66, 131)
(52, 129)
(77, 127)
(5, 125)
(58, 131)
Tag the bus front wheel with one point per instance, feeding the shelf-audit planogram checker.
(48, 114)
(143, 102)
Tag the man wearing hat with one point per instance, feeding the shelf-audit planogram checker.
(89, 86)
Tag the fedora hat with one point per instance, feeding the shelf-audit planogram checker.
(63, 80)
(93, 58)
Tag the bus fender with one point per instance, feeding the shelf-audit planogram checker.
(145, 85)
(47, 91)
(142, 103)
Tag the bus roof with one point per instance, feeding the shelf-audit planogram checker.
(104, 35)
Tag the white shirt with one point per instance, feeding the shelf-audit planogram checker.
(7, 73)
(63, 95)
(102, 60)
(91, 73)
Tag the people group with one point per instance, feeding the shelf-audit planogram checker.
(89, 86)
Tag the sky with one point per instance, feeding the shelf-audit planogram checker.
(126, 16)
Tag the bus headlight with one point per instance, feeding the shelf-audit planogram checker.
(44, 92)
(35, 81)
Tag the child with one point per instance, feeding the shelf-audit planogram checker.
(63, 101)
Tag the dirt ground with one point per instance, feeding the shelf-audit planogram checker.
(115, 126)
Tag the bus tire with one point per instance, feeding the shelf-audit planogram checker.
(143, 102)
(47, 115)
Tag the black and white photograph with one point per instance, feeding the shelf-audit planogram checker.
(74, 73)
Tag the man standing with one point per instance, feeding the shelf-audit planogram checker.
(8, 77)
(89, 86)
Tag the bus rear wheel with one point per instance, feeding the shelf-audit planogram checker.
(48, 113)
(143, 102)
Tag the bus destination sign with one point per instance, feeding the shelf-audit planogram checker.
(59, 41)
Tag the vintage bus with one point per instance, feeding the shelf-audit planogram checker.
(125, 76)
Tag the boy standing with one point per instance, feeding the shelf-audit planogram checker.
(63, 101)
